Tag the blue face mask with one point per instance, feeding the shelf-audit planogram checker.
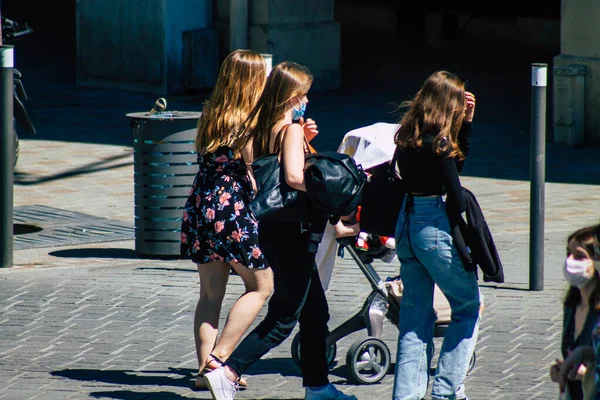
(298, 113)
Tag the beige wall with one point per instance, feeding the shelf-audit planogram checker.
(580, 45)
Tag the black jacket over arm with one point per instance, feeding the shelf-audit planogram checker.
(474, 242)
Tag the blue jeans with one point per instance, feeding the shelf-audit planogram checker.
(427, 256)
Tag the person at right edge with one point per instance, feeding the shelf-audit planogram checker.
(433, 141)
(581, 306)
(288, 245)
(587, 355)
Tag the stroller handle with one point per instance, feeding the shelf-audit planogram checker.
(372, 276)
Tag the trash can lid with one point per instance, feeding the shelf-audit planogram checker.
(165, 115)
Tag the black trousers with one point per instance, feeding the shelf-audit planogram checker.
(298, 297)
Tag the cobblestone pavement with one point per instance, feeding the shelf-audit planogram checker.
(98, 321)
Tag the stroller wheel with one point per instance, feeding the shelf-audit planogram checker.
(331, 352)
(368, 360)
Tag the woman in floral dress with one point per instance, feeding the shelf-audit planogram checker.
(218, 233)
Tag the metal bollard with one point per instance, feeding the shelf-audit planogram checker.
(238, 24)
(539, 79)
(6, 156)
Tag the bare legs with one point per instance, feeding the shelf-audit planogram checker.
(213, 282)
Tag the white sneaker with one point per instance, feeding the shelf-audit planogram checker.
(221, 388)
(329, 392)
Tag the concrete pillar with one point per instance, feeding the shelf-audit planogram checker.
(569, 104)
(136, 45)
(238, 29)
(303, 31)
(579, 29)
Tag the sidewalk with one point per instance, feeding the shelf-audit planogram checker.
(97, 321)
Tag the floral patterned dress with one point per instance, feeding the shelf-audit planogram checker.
(216, 225)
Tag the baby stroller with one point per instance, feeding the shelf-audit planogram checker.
(369, 360)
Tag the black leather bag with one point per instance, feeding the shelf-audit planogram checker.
(334, 183)
(382, 199)
(275, 199)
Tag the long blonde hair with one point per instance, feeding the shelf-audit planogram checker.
(239, 85)
(438, 108)
(286, 81)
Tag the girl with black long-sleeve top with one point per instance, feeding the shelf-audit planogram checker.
(433, 139)
(424, 172)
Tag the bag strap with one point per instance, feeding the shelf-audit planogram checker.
(309, 148)
(278, 148)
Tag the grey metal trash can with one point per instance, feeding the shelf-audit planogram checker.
(165, 164)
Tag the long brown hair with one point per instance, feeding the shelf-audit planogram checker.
(286, 81)
(437, 109)
(239, 85)
(585, 238)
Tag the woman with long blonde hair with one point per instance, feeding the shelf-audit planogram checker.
(433, 139)
(288, 242)
(218, 233)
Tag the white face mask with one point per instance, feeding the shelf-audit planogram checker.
(576, 272)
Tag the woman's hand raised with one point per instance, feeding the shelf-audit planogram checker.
(470, 109)
(310, 128)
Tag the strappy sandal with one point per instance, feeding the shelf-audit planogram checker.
(200, 383)
(210, 366)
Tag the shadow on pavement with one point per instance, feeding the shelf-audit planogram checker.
(25, 179)
(167, 269)
(286, 367)
(129, 377)
(128, 254)
(139, 378)
(503, 287)
(282, 366)
(130, 395)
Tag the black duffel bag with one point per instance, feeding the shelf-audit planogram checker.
(275, 199)
(334, 183)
